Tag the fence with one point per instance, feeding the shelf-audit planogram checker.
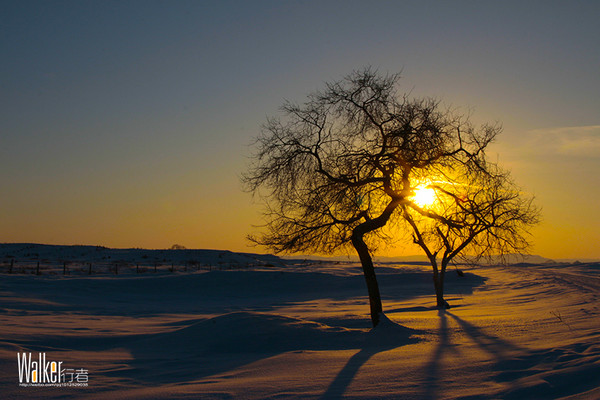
(66, 267)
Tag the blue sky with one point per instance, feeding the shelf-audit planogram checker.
(127, 123)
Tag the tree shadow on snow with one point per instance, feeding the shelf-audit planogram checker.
(501, 351)
(525, 373)
(386, 336)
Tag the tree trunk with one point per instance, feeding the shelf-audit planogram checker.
(359, 244)
(370, 278)
(438, 282)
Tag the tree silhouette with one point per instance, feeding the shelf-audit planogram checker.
(333, 171)
(484, 214)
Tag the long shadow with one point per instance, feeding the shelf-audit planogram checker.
(433, 367)
(502, 351)
(513, 362)
(338, 386)
(498, 348)
(389, 336)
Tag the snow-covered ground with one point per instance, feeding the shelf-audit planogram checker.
(234, 326)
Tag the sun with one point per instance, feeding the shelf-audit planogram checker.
(424, 196)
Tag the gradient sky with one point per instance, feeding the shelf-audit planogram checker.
(127, 123)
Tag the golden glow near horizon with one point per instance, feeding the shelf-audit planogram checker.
(424, 196)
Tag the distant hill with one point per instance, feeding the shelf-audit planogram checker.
(99, 254)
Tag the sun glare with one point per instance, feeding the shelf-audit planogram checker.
(424, 196)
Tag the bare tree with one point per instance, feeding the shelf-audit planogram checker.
(484, 215)
(335, 169)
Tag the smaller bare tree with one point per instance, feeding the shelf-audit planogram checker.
(484, 215)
